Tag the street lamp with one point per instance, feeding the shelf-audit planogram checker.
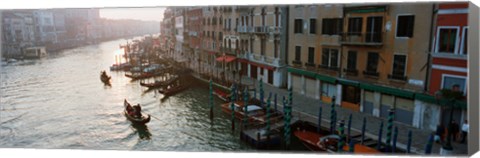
(450, 96)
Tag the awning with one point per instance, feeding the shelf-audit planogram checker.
(349, 83)
(442, 102)
(226, 58)
(301, 72)
(388, 90)
(325, 78)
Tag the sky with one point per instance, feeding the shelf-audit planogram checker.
(146, 14)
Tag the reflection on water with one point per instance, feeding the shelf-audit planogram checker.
(60, 102)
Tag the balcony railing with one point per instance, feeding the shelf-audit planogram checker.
(368, 38)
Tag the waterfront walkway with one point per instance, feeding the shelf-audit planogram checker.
(306, 109)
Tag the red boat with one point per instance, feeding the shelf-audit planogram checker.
(328, 143)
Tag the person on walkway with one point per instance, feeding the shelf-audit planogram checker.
(465, 128)
(455, 130)
(438, 134)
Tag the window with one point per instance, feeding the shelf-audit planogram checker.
(213, 35)
(275, 49)
(352, 60)
(330, 58)
(405, 25)
(372, 62)
(220, 36)
(297, 53)
(262, 46)
(465, 41)
(229, 24)
(311, 54)
(298, 26)
(354, 26)
(229, 44)
(399, 66)
(277, 19)
(325, 57)
(332, 26)
(449, 81)
(313, 26)
(447, 39)
(374, 29)
(329, 89)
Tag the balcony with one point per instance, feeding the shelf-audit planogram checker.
(272, 61)
(296, 63)
(244, 29)
(367, 39)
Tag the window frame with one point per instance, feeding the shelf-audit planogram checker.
(329, 53)
(368, 58)
(464, 90)
(299, 52)
(393, 64)
(437, 40)
(361, 26)
(396, 27)
(310, 26)
(313, 55)
(348, 59)
(295, 26)
(462, 44)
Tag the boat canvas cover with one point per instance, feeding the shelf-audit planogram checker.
(253, 108)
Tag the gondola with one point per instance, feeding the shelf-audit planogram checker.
(105, 78)
(157, 84)
(142, 120)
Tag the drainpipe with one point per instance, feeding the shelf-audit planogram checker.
(429, 61)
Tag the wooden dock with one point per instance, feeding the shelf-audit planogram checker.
(257, 136)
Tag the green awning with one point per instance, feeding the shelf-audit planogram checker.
(425, 97)
(326, 78)
(442, 102)
(301, 72)
(349, 83)
(366, 9)
(388, 90)
(367, 86)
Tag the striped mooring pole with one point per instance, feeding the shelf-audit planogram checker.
(290, 97)
(349, 126)
(319, 128)
(395, 134)
(275, 101)
(268, 114)
(391, 114)
(379, 144)
(363, 129)
(409, 143)
(261, 93)
(341, 142)
(232, 106)
(211, 98)
(351, 146)
(287, 113)
(428, 146)
(332, 115)
(245, 99)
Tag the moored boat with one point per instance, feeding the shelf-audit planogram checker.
(255, 113)
(157, 84)
(173, 89)
(329, 143)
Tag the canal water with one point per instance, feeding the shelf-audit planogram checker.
(59, 102)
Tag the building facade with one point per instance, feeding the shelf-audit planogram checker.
(263, 41)
(449, 55)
